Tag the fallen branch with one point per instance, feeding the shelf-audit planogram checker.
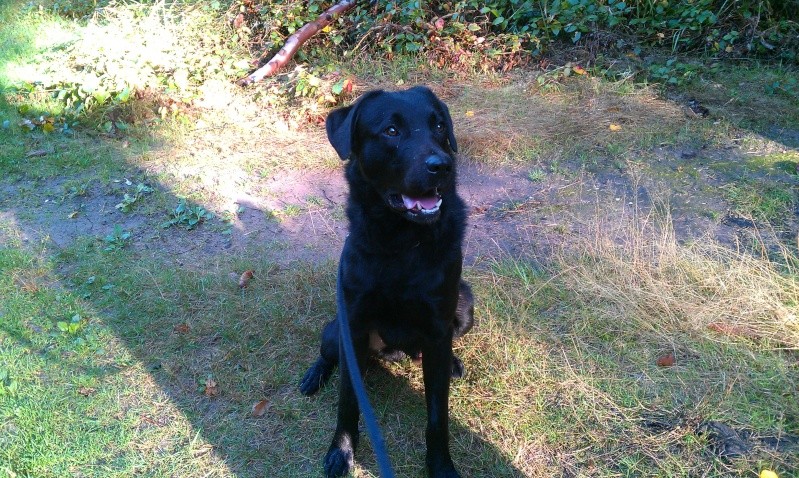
(295, 41)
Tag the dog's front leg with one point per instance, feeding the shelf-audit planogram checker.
(437, 367)
(340, 455)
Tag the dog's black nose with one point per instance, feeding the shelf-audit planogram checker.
(438, 165)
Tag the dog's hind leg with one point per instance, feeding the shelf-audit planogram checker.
(319, 373)
(464, 313)
(464, 320)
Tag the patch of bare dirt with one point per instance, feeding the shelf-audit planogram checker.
(246, 171)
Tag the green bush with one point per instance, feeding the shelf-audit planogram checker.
(470, 32)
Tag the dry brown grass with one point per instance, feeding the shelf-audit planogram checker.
(522, 118)
(703, 288)
(562, 365)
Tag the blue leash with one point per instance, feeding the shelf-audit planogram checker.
(345, 340)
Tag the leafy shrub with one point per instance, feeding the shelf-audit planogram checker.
(126, 52)
(494, 33)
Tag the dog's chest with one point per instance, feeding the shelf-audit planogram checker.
(406, 302)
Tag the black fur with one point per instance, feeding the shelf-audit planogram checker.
(400, 269)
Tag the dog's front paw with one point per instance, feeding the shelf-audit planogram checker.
(441, 467)
(315, 377)
(445, 472)
(338, 461)
(458, 370)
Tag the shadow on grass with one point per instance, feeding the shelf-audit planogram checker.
(171, 355)
(213, 352)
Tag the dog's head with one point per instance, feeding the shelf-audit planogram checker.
(403, 145)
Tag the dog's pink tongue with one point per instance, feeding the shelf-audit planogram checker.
(425, 202)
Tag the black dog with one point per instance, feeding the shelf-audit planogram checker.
(400, 270)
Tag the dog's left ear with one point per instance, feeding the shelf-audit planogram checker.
(340, 125)
(448, 124)
(442, 107)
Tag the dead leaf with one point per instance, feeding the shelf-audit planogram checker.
(86, 391)
(36, 153)
(259, 408)
(211, 388)
(181, 328)
(245, 278)
(470, 113)
(614, 127)
(238, 21)
(666, 360)
(73, 215)
(348, 86)
(579, 70)
(158, 422)
(731, 330)
(202, 450)
(48, 127)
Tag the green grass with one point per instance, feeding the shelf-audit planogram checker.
(763, 202)
(757, 97)
(554, 373)
(21, 37)
(139, 355)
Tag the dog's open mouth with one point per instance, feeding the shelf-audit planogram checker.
(426, 205)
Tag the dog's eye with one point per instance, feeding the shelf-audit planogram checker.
(391, 131)
(439, 127)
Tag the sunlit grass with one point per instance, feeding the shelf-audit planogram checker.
(561, 368)
(562, 374)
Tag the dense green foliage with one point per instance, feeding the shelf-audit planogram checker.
(467, 32)
(158, 53)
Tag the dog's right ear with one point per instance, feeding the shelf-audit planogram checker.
(340, 126)
(339, 130)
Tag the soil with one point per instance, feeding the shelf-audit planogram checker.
(511, 212)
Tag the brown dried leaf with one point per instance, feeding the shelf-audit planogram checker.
(666, 360)
(731, 330)
(348, 85)
(86, 391)
(211, 388)
(258, 409)
(238, 21)
(202, 450)
(181, 328)
(36, 153)
(245, 278)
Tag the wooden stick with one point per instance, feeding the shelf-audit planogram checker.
(295, 41)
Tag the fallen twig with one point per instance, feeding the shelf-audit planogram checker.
(295, 41)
